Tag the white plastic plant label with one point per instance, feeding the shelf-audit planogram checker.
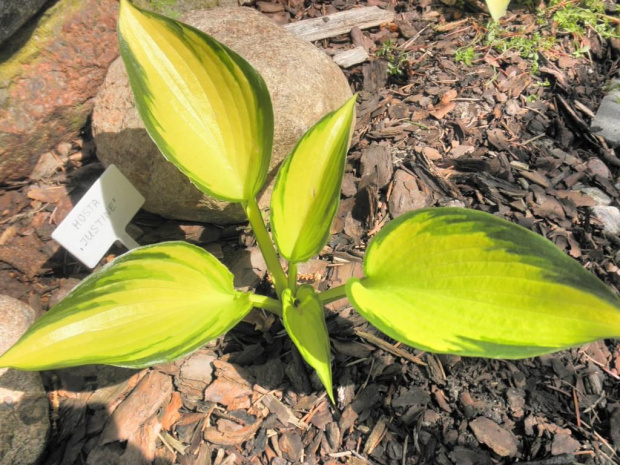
(100, 218)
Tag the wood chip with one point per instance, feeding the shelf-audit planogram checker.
(231, 438)
(171, 413)
(388, 347)
(225, 391)
(146, 399)
(24, 254)
(502, 441)
(339, 23)
(291, 446)
(351, 57)
(376, 435)
(281, 411)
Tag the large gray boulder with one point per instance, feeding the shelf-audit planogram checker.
(14, 14)
(24, 415)
(304, 84)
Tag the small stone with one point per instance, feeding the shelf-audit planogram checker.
(600, 197)
(500, 440)
(24, 422)
(609, 217)
(564, 444)
(605, 123)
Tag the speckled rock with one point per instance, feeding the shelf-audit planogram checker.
(304, 84)
(14, 14)
(49, 73)
(24, 416)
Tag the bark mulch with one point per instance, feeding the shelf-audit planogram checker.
(504, 134)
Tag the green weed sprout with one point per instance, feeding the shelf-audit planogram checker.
(445, 280)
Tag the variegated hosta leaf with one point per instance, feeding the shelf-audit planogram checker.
(206, 108)
(497, 8)
(151, 305)
(307, 190)
(304, 320)
(459, 281)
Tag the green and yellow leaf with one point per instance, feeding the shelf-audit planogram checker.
(151, 305)
(307, 190)
(207, 109)
(459, 281)
(304, 320)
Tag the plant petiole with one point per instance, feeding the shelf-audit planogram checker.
(266, 303)
(266, 246)
(292, 276)
(333, 294)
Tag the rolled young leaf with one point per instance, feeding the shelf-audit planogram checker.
(307, 189)
(304, 321)
(207, 109)
(151, 305)
(459, 281)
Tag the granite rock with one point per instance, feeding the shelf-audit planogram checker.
(304, 84)
(24, 415)
(50, 70)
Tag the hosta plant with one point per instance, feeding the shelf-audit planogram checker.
(445, 280)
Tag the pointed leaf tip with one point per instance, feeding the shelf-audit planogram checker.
(304, 320)
(459, 281)
(307, 189)
(151, 305)
(207, 109)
